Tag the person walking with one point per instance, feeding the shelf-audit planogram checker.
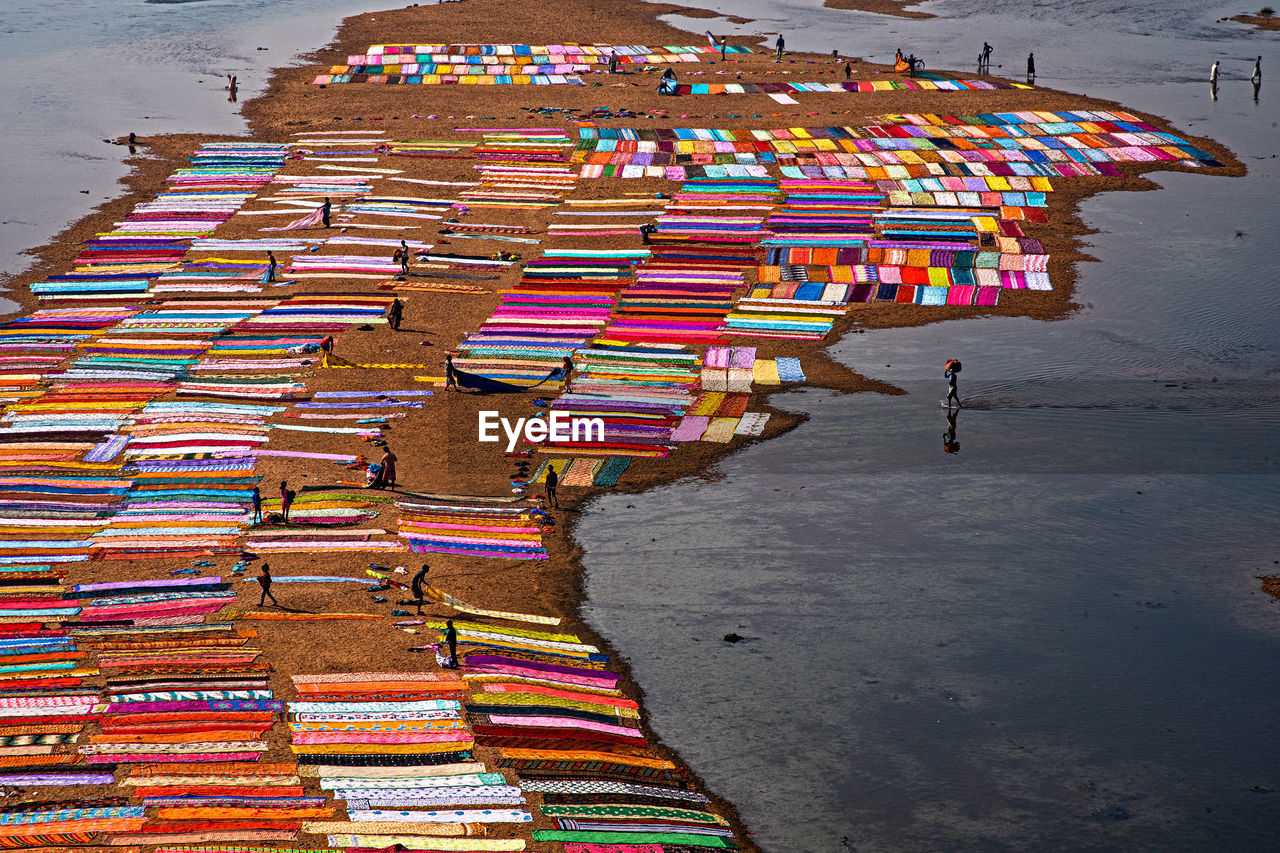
(951, 373)
(1257, 72)
(416, 588)
(264, 581)
(552, 481)
(1213, 74)
(286, 500)
(781, 45)
(325, 210)
(271, 266)
(451, 639)
(257, 505)
(450, 377)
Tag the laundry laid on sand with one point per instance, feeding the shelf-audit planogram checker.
(265, 379)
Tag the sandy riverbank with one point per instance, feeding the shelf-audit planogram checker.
(897, 8)
(438, 453)
(1259, 22)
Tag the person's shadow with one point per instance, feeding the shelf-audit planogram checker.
(292, 609)
(950, 444)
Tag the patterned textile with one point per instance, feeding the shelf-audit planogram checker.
(606, 786)
(385, 760)
(634, 811)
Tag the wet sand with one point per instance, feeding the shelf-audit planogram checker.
(439, 454)
(897, 8)
(1259, 22)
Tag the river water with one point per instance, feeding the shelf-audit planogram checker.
(76, 72)
(1053, 639)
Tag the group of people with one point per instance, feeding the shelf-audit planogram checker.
(984, 61)
(1255, 79)
(287, 496)
(907, 64)
(449, 637)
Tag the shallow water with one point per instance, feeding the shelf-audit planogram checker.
(76, 72)
(1053, 639)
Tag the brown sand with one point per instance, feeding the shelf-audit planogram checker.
(897, 8)
(437, 450)
(1270, 585)
(1259, 22)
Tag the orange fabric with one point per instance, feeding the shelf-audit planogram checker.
(174, 737)
(587, 755)
(227, 813)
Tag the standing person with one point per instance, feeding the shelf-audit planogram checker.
(451, 638)
(952, 371)
(257, 505)
(388, 461)
(286, 500)
(566, 366)
(724, 47)
(613, 62)
(271, 266)
(1213, 73)
(415, 585)
(848, 71)
(781, 45)
(404, 258)
(450, 377)
(986, 56)
(1257, 72)
(264, 581)
(552, 482)
(325, 210)
(394, 314)
(1031, 66)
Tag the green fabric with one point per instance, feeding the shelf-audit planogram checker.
(612, 470)
(568, 835)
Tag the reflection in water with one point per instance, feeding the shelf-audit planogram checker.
(1059, 645)
(951, 444)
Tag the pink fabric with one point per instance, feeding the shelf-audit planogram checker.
(311, 220)
(564, 723)
(691, 428)
(460, 735)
